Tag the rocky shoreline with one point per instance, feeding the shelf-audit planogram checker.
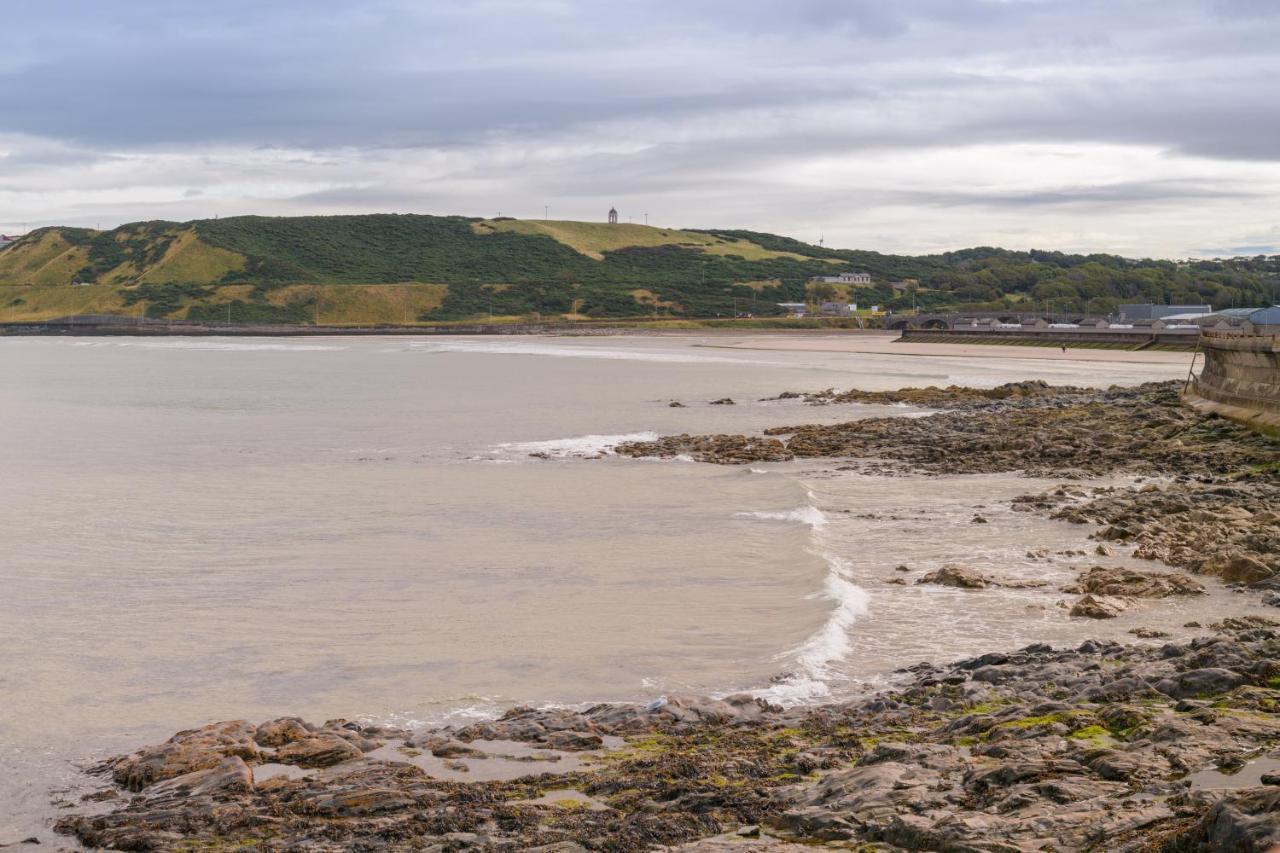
(1146, 746)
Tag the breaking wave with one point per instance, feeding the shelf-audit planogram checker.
(809, 515)
(815, 661)
(816, 658)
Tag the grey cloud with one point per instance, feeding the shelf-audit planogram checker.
(294, 106)
(1114, 196)
(327, 74)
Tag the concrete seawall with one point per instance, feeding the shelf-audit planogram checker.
(1240, 379)
(1118, 338)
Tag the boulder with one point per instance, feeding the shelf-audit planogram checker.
(447, 748)
(1116, 581)
(186, 752)
(1200, 682)
(322, 749)
(1237, 567)
(573, 741)
(232, 776)
(1093, 606)
(1247, 822)
(957, 576)
(358, 801)
(281, 731)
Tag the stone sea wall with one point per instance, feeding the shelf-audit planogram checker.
(1240, 379)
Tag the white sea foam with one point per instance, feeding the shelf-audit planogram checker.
(569, 351)
(566, 448)
(816, 658)
(203, 344)
(807, 514)
(815, 661)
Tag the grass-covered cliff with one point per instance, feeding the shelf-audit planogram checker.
(404, 268)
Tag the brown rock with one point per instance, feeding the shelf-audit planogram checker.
(281, 731)
(1237, 567)
(957, 576)
(231, 776)
(573, 741)
(186, 752)
(455, 749)
(1115, 581)
(1099, 606)
(359, 801)
(322, 749)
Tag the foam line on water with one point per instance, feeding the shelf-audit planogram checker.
(577, 446)
(816, 659)
(205, 345)
(567, 351)
(807, 514)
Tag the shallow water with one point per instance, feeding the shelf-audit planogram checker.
(205, 529)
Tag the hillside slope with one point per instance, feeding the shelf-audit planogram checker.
(399, 268)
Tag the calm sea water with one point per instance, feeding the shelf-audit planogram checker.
(194, 530)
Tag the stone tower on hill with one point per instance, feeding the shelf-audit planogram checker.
(613, 216)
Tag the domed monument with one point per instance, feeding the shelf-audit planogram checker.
(613, 216)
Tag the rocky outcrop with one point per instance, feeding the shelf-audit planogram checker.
(185, 752)
(323, 749)
(1140, 430)
(1086, 748)
(1114, 580)
(720, 449)
(1230, 530)
(950, 397)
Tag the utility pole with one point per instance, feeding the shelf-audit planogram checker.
(646, 219)
(546, 212)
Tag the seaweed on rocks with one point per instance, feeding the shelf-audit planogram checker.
(1141, 430)
(1041, 748)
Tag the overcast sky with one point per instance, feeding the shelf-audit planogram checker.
(1143, 127)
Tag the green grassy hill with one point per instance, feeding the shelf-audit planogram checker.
(409, 268)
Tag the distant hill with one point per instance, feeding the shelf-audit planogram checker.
(404, 268)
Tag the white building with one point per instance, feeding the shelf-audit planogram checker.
(838, 309)
(844, 278)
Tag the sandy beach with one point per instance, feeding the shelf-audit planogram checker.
(887, 343)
